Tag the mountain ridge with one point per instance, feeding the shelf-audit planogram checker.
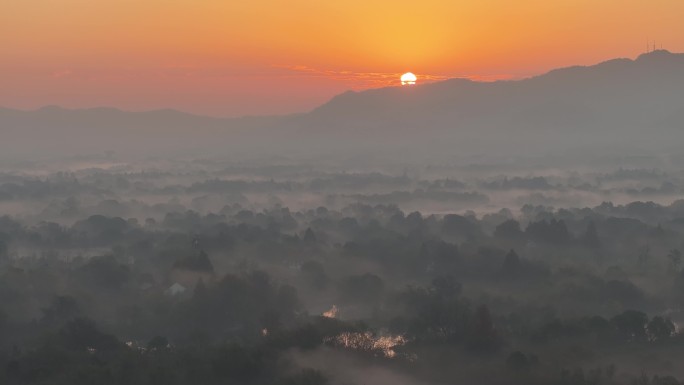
(615, 101)
(610, 63)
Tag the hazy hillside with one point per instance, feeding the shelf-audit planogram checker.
(616, 105)
(59, 131)
(616, 102)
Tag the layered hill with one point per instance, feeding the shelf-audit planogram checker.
(616, 104)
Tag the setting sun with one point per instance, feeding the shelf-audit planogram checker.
(408, 79)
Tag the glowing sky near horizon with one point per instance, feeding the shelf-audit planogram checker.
(231, 57)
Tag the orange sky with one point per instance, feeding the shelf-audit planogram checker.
(240, 57)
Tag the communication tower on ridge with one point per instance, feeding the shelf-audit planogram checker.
(651, 46)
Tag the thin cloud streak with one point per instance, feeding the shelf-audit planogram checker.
(379, 79)
(356, 80)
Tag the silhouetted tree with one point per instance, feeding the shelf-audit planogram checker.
(199, 263)
(509, 229)
(675, 257)
(553, 231)
(631, 325)
(104, 272)
(483, 336)
(517, 361)
(62, 309)
(309, 236)
(644, 256)
(157, 343)
(591, 238)
(365, 288)
(314, 274)
(81, 334)
(446, 287)
(511, 265)
(3, 248)
(660, 329)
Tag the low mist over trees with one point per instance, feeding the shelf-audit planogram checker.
(298, 275)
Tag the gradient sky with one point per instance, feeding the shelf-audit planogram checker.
(246, 57)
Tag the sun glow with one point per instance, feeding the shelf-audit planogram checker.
(408, 79)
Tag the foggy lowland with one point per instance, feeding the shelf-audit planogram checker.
(341, 192)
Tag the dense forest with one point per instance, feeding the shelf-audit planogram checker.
(295, 275)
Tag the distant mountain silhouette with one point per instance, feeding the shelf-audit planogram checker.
(620, 95)
(622, 102)
(65, 131)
